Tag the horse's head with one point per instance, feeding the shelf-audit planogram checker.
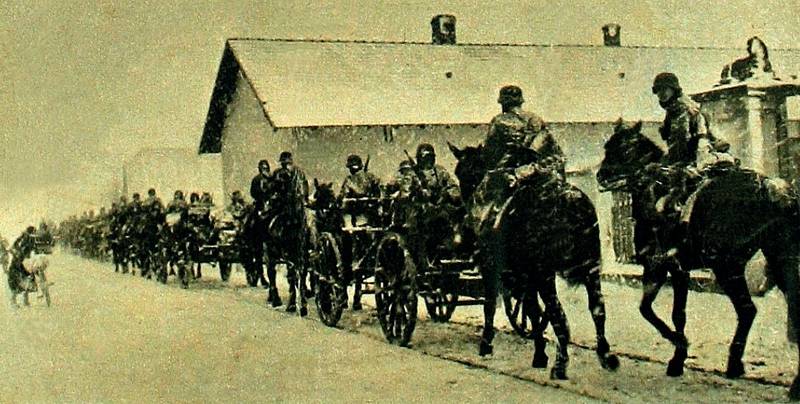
(324, 197)
(627, 153)
(470, 168)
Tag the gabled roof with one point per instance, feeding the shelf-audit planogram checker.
(304, 83)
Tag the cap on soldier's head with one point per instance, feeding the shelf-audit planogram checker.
(510, 95)
(151, 191)
(425, 149)
(354, 160)
(263, 163)
(136, 195)
(666, 80)
(285, 157)
(236, 194)
(405, 165)
(179, 193)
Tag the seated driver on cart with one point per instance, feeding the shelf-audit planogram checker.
(359, 199)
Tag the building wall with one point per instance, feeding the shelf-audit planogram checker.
(247, 138)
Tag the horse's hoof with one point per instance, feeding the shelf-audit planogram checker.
(539, 361)
(303, 312)
(558, 373)
(291, 308)
(735, 369)
(610, 362)
(485, 348)
(675, 368)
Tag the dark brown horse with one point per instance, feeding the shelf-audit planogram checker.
(734, 213)
(543, 231)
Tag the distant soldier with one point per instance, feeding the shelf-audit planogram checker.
(19, 279)
(153, 204)
(437, 184)
(260, 186)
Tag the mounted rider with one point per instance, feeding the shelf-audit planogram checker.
(289, 200)
(685, 129)
(257, 219)
(509, 132)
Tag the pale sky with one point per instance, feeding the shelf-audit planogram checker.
(84, 84)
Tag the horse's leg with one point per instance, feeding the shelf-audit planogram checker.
(735, 286)
(597, 307)
(357, 280)
(291, 277)
(273, 297)
(301, 276)
(555, 313)
(491, 280)
(652, 281)
(539, 325)
(680, 287)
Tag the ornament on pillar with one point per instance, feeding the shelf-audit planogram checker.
(755, 66)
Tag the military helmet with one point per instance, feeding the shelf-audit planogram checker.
(666, 80)
(178, 194)
(263, 163)
(151, 192)
(285, 157)
(354, 161)
(405, 165)
(236, 195)
(425, 149)
(510, 95)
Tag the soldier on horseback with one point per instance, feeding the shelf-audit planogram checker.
(510, 132)
(289, 200)
(684, 128)
(261, 190)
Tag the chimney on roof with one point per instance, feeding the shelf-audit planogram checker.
(443, 29)
(611, 35)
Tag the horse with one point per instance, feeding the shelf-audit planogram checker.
(734, 213)
(288, 233)
(539, 234)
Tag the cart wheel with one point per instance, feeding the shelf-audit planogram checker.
(441, 305)
(224, 270)
(330, 293)
(520, 315)
(395, 289)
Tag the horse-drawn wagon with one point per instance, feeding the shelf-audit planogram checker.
(384, 263)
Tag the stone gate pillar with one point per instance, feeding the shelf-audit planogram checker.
(751, 116)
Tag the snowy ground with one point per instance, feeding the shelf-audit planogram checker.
(113, 337)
